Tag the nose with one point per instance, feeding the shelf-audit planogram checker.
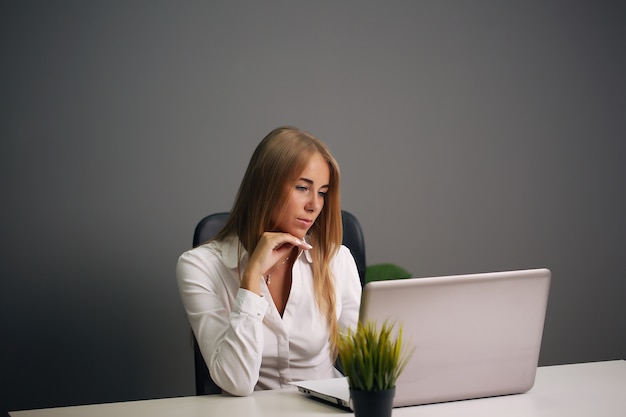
(314, 203)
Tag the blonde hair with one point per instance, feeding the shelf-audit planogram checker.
(277, 162)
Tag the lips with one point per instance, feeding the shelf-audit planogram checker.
(305, 222)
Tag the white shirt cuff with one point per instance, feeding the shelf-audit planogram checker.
(250, 304)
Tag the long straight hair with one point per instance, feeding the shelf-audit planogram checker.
(275, 166)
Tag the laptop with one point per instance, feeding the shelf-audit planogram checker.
(475, 335)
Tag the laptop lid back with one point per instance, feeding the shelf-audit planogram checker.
(475, 335)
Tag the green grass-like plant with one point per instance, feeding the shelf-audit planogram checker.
(373, 358)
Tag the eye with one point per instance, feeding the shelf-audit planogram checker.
(302, 188)
(323, 194)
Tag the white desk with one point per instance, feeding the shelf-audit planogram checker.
(587, 390)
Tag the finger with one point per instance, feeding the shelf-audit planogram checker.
(303, 244)
(291, 240)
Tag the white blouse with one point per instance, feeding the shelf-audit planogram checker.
(245, 342)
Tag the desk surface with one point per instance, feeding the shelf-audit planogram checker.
(588, 389)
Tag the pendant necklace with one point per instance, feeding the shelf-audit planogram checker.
(268, 276)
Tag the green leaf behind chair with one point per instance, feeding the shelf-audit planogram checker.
(381, 272)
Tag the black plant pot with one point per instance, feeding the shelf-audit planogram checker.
(372, 403)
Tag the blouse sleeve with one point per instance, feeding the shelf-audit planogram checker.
(349, 288)
(226, 320)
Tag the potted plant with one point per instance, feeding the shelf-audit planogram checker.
(372, 359)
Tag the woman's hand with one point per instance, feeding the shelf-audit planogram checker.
(273, 247)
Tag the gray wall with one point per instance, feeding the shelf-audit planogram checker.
(473, 136)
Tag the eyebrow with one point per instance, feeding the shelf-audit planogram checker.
(310, 182)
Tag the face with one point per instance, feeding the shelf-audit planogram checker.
(305, 198)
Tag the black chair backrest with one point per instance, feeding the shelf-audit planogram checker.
(210, 225)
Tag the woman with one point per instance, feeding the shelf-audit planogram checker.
(267, 296)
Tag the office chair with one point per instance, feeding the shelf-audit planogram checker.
(213, 223)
